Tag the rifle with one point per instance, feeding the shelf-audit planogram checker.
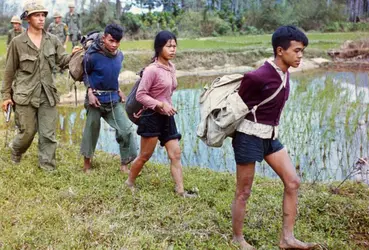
(7, 119)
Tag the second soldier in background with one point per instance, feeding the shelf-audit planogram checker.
(16, 30)
(73, 20)
(59, 29)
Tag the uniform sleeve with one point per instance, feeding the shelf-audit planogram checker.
(11, 66)
(143, 91)
(66, 31)
(62, 58)
(66, 19)
(79, 22)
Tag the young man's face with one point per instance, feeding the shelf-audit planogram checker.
(16, 26)
(57, 20)
(169, 50)
(293, 55)
(110, 43)
(37, 20)
(71, 9)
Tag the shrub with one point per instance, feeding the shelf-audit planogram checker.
(131, 23)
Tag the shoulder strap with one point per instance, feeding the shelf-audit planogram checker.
(253, 110)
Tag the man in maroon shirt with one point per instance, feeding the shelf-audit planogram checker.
(256, 137)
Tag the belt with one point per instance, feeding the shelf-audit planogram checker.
(103, 92)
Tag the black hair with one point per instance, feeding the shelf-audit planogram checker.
(283, 36)
(161, 39)
(115, 30)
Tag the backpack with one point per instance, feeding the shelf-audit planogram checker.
(133, 106)
(222, 109)
(76, 67)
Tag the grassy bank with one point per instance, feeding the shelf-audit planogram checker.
(70, 210)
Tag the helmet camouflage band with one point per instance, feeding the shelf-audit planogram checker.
(71, 5)
(15, 19)
(33, 6)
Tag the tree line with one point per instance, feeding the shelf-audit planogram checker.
(194, 18)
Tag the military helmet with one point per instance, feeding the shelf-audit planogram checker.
(57, 14)
(71, 5)
(15, 19)
(33, 6)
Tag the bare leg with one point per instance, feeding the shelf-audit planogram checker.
(86, 164)
(245, 176)
(147, 148)
(174, 154)
(282, 165)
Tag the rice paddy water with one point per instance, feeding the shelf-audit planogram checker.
(324, 127)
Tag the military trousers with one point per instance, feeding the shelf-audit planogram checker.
(30, 120)
(74, 38)
(116, 117)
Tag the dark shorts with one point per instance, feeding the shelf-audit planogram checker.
(250, 148)
(153, 124)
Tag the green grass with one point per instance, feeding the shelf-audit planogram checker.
(68, 209)
(321, 41)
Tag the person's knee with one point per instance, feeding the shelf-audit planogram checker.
(293, 184)
(144, 156)
(29, 133)
(243, 194)
(174, 154)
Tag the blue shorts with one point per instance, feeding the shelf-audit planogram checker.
(250, 148)
(154, 124)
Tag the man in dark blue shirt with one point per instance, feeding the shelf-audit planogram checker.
(102, 64)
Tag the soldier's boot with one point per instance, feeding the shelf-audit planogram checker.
(15, 158)
(47, 167)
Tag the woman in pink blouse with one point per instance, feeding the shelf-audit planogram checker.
(157, 119)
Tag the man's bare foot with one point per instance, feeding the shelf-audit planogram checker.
(124, 169)
(87, 165)
(242, 243)
(293, 243)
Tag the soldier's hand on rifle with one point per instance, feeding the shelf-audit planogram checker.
(122, 96)
(92, 99)
(5, 104)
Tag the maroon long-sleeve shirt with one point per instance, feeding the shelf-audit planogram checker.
(257, 86)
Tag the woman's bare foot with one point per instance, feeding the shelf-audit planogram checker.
(124, 169)
(293, 243)
(87, 165)
(130, 185)
(242, 243)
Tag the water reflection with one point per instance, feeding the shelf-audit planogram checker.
(324, 127)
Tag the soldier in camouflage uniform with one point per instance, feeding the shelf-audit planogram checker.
(16, 30)
(29, 85)
(73, 20)
(59, 29)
